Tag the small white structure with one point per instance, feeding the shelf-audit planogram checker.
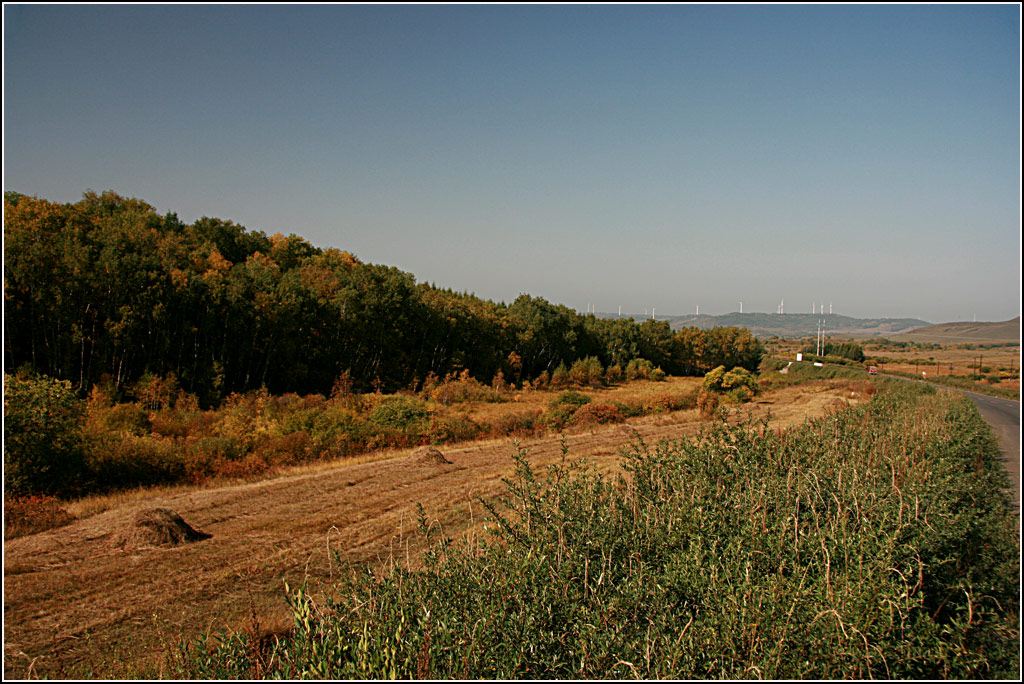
(799, 356)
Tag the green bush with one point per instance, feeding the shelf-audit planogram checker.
(739, 383)
(127, 418)
(639, 369)
(447, 429)
(43, 447)
(404, 414)
(570, 398)
(559, 377)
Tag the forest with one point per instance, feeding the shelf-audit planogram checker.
(106, 291)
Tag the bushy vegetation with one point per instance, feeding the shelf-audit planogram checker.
(42, 437)
(738, 384)
(845, 350)
(30, 514)
(56, 443)
(106, 291)
(874, 543)
(971, 383)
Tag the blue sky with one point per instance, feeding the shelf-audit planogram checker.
(653, 156)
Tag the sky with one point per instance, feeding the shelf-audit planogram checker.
(657, 157)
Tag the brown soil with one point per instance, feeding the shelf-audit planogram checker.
(76, 603)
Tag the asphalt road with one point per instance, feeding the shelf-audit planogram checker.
(1004, 417)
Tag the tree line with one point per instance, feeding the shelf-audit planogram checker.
(106, 290)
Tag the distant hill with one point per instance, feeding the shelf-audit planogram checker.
(796, 325)
(965, 332)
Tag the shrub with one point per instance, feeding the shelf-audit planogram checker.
(32, 514)
(718, 380)
(459, 388)
(630, 409)
(517, 425)
(404, 414)
(613, 375)
(125, 460)
(447, 429)
(250, 466)
(570, 398)
(203, 457)
(560, 377)
(289, 449)
(600, 414)
(739, 395)
(558, 417)
(43, 449)
(154, 392)
(587, 372)
(639, 369)
(707, 403)
(336, 431)
(662, 403)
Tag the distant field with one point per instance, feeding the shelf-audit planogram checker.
(999, 365)
(964, 332)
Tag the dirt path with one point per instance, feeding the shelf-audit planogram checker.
(77, 604)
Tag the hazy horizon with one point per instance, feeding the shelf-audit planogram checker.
(660, 157)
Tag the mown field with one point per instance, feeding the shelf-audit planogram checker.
(873, 543)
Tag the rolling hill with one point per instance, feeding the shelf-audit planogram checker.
(796, 325)
(956, 333)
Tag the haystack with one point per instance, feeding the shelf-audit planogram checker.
(429, 455)
(160, 527)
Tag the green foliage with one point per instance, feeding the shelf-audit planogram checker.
(587, 372)
(458, 388)
(739, 383)
(571, 398)
(559, 377)
(639, 369)
(449, 429)
(846, 350)
(43, 451)
(106, 290)
(874, 543)
(406, 414)
(971, 383)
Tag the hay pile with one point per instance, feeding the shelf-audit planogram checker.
(159, 527)
(429, 455)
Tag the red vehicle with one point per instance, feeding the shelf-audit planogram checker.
(872, 370)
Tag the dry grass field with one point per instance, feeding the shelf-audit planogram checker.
(956, 361)
(948, 359)
(84, 600)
